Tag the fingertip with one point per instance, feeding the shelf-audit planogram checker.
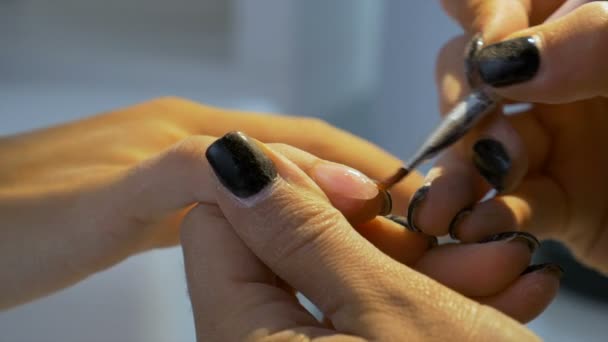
(452, 185)
(529, 296)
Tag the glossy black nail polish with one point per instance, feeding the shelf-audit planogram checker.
(509, 62)
(415, 202)
(457, 220)
(546, 267)
(240, 165)
(530, 240)
(470, 62)
(492, 162)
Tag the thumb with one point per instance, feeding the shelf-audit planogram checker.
(287, 221)
(557, 62)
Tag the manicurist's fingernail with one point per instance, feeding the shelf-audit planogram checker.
(509, 62)
(492, 161)
(470, 63)
(240, 164)
(415, 203)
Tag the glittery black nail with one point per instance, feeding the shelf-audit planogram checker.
(546, 267)
(470, 63)
(509, 62)
(457, 220)
(418, 197)
(492, 162)
(240, 165)
(530, 240)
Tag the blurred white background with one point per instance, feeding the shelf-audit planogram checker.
(365, 66)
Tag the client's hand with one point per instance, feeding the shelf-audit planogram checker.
(80, 197)
(268, 224)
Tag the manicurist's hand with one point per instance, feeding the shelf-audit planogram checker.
(549, 162)
(269, 228)
(80, 197)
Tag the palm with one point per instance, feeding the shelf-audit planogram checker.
(572, 173)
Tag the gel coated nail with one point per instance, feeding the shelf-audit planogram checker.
(417, 199)
(345, 181)
(470, 63)
(240, 165)
(509, 62)
(492, 162)
(530, 240)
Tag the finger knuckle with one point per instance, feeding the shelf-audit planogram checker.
(300, 230)
(189, 151)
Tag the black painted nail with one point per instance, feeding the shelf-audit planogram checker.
(492, 162)
(546, 267)
(457, 220)
(387, 203)
(509, 62)
(418, 197)
(530, 240)
(470, 63)
(240, 165)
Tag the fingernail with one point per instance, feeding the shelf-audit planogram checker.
(343, 180)
(387, 203)
(417, 199)
(492, 162)
(457, 220)
(470, 64)
(240, 165)
(509, 62)
(552, 268)
(530, 240)
(433, 241)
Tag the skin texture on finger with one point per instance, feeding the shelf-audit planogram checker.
(572, 52)
(395, 240)
(527, 297)
(494, 18)
(476, 270)
(234, 296)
